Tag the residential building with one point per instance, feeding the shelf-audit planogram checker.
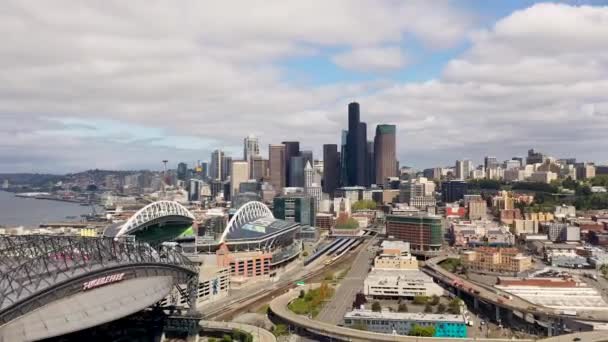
(217, 162)
(585, 171)
(477, 210)
(492, 259)
(543, 176)
(463, 169)
(565, 211)
(401, 323)
(524, 227)
(419, 190)
(423, 231)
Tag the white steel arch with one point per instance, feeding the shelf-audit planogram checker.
(152, 212)
(250, 211)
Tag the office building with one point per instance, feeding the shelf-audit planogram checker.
(452, 191)
(314, 191)
(385, 157)
(227, 168)
(415, 190)
(308, 175)
(401, 323)
(239, 174)
(277, 166)
(331, 168)
(463, 169)
(356, 146)
(251, 148)
(490, 162)
(395, 283)
(292, 149)
(492, 259)
(535, 157)
(182, 171)
(423, 231)
(259, 168)
(295, 207)
(217, 163)
(524, 227)
(543, 176)
(296, 172)
(307, 155)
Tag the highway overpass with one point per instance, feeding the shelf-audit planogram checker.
(278, 307)
(54, 285)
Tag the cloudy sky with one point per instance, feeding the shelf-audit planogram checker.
(125, 84)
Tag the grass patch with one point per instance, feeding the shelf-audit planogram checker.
(311, 302)
(451, 265)
(263, 309)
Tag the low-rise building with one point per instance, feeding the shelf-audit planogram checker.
(477, 210)
(395, 256)
(564, 211)
(399, 283)
(401, 323)
(492, 259)
(324, 220)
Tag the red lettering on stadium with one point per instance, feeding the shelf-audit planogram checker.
(102, 281)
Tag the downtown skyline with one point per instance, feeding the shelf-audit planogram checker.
(127, 93)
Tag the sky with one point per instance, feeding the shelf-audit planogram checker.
(127, 84)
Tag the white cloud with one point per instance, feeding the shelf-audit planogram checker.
(371, 59)
(537, 78)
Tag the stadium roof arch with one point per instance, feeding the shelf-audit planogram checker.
(149, 214)
(246, 214)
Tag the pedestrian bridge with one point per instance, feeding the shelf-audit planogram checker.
(55, 285)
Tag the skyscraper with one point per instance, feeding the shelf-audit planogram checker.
(490, 162)
(331, 168)
(307, 155)
(251, 147)
(463, 169)
(292, 149)
(385, 158)
(182, 171)
(239, 174)
(356, 145)
(308, 173)
(226, 167)
(343, 162)
(217, 164)
(259, 168)
(370, 163)
(276, 157)
(296, 171)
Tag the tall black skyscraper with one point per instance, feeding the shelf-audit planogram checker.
(331, 168)
(369, 163)
(307, 155)
(356, 146)
(292, 149)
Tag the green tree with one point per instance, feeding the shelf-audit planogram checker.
(402, 307)
(364, 205)
(419, 300)
(226, 338)
(418, 330)
(302, 294)
(428, 308)
(376, 307)
(440, 308)
(280, 330)
(454, 306)
(434, 300)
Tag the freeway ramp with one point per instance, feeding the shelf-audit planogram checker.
(87, 309)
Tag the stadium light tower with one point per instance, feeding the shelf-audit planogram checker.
(164, 182)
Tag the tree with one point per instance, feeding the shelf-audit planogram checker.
(302, 294)
(419, 300)
(402, 307)
(364, 205)
(346, 222)
(434, 300)
(428, 308)
(280, 330)
(454, 306)
(440, 308)
(418, 330)
(376, 307)
(226, 338)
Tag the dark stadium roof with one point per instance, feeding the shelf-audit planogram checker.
(260, 228)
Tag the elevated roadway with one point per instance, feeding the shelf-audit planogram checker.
(259, 334)
(278, 306)
(495, 298)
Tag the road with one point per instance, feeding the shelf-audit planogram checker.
(259, 334)
(334, 311)
(279, 308)
(516, 303)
